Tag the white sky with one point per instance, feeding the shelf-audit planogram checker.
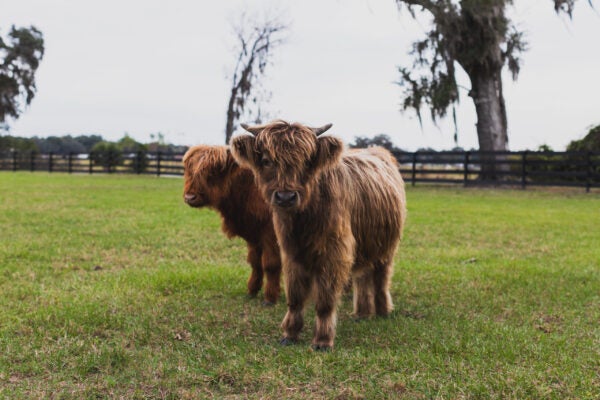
(142, 67)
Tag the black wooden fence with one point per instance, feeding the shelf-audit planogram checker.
(112, 163)
(525, 168)
(520, 169)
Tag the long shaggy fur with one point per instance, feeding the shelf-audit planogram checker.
(346, 224)
(213, 179)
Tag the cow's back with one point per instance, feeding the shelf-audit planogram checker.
(377, 201)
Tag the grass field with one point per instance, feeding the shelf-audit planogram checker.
(110, 287)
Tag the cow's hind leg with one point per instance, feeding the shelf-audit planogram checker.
(271, 264)
(364, 301)
(256, 276)
(382, 279)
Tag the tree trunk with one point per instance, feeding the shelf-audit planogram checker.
(230, 115)
(491, 120)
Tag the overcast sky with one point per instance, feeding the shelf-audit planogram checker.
(143, 67)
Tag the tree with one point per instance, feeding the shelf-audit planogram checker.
(256, 41)
(591, 141)
(383, 140)
(20, 57)
(478, 36)
(127, 144)
(88, 141)
(107, 154)
(137, 152)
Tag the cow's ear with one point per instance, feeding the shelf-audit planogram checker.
(243, 149)
(329, 151)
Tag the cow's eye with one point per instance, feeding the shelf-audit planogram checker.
(265, 162)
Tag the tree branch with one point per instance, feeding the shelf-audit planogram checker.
(436, 8)
(256, 42)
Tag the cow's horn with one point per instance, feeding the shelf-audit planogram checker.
(254, 130)
(321, 130)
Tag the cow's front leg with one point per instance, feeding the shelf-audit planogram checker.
(271, 264)
(328, 292)
(297, 287)
(256, 276)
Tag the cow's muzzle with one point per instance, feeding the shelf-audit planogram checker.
(192, 200)
(285, 198)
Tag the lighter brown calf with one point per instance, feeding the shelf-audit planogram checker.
(337, 215)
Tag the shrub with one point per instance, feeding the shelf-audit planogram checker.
(106, 154)
(591, 141)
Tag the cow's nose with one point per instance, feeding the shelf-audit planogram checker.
(285, 198)
(189, 197)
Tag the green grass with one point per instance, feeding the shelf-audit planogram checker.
(110, 287)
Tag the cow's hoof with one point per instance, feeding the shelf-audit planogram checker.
(287, 341)
(268, 303)
(321, 347)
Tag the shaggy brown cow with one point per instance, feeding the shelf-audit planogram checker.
(337, 215)
(213, 179)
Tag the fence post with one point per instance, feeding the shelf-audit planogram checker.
(414, 168)
(109, 158)
(14, 160)
(523, 169)
(466, 167)
(158, 163)
(90, 158)
(138, 160)
(70, 167)
(32, 160)
(50, 162)
(588, 185)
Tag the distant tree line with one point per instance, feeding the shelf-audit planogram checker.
(383, 140)
(52, 144)
(64, 145)
(590, 142)
(102, 152)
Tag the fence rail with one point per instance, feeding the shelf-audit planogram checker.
(90, 163)
(526, 168)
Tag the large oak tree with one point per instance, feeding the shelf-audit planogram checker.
(478, 36)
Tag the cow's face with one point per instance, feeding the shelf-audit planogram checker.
(205, 169)
(286, 160)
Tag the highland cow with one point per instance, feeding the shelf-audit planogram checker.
(213, 179)
(338, 215)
